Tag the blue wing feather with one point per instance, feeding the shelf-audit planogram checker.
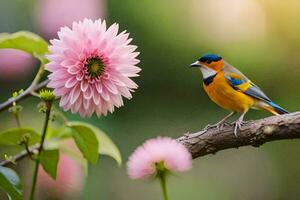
(253, 90)
(233, 81)
(236, 79)
(278, 108)
(256, 92)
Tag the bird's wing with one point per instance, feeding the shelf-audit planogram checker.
(240, 82)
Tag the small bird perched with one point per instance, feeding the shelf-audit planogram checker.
(232, 90)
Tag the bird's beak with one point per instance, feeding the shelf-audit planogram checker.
(195, 64)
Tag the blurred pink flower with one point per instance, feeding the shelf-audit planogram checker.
(174, 156)
(69, 180)
(15, 64)
(50, 15)
(91, 67)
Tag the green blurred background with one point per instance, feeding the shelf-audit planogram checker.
(261, 38)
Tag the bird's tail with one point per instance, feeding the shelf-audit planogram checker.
(274, 108)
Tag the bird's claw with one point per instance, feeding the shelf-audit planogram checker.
(238, 126)
(219, 126)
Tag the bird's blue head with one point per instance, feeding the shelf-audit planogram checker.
(209, 60)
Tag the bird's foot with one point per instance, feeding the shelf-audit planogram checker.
(219, 125)
(238, 126)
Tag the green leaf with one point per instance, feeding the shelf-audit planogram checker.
(25, 41)
(10, 183)
(85, 140)
(15, 135)
(49, 160)
(106, 145)
(59, 133)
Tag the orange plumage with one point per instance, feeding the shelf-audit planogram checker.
(227, 97)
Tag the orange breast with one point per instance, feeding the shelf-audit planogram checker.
(221, 92)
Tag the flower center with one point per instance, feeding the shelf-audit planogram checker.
(160, 167)
(95, 67)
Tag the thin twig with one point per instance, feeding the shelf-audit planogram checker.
(23, 95)
(20, 156)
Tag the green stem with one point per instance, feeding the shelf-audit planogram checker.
(35, 173)
(163, 183)
(37, 163)
(38, 75)
(17, 117)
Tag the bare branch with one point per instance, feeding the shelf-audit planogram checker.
(254, 133)
(25, 94)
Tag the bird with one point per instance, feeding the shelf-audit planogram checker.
(232, 90)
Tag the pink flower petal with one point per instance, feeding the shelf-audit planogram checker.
(71, 82)
(84, 86)
(98, 87)
(88, 94)
(73, 70)
(96, 98)
(110, 87)
(75, 92)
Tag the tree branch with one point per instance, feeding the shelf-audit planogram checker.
(254, 133)
(25, 94)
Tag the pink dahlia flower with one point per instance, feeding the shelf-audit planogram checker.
(91, 67)
(158, 151)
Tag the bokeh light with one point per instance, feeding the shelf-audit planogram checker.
(15, 65)
(50, 15)
(69, 180)
(230, 20)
